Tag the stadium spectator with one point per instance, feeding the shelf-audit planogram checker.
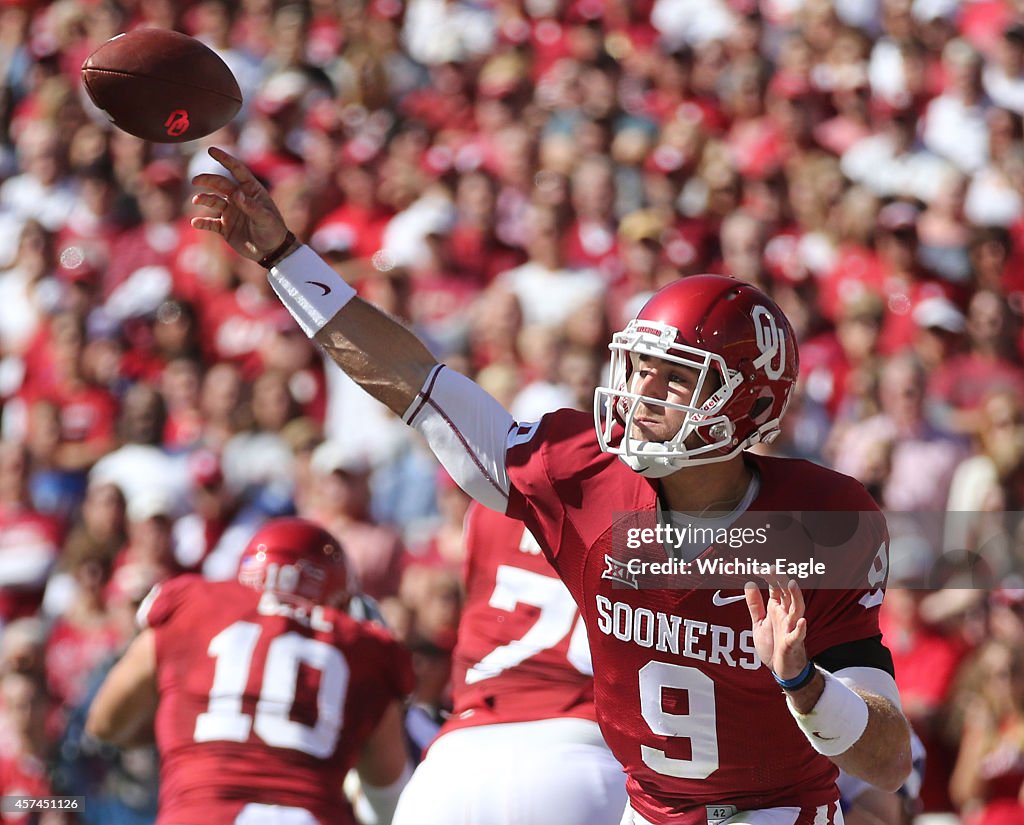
(342, 503)
(180, 384)
(83, 635)
(138, 277)
(546, 286)
(143, 467)
(23, 291)
(211, 537)
(29, 541)
(150, 542)
(98, 533)
(56, 372)
(223, 410)
(943, 234)
(23, 768)
(993, 195)
(42, 191)
(987, 780)
(987, 484)
(921, 457)
(1003, 77)
(954, 122)
(989, 365)
(838, 365)
(891, 162)
(257, 462)
(1007, 615)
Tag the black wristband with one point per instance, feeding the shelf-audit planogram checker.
(271, 258)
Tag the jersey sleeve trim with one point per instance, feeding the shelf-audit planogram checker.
(422, 396)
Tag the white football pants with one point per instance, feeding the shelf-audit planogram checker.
(550, 772)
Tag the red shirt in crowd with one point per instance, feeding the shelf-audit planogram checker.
(236, 325)
(479, 258)
(72, 653)
(965, 380)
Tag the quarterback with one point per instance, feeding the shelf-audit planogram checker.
(721, 708)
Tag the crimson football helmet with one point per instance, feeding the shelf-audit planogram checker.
(296, 558)
(734, 336)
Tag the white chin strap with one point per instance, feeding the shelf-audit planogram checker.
(650, 466)
(659, 466)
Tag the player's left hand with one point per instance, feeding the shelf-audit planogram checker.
(779, 629)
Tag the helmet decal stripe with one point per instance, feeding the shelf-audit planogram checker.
(770, 341)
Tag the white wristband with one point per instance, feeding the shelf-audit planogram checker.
(310, 290)
(837, 721)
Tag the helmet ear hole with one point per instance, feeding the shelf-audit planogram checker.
(760, 406)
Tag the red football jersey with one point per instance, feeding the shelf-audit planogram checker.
(682, 699)
(522, 652)
(261, 702)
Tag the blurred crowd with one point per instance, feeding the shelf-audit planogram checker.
(512, 178)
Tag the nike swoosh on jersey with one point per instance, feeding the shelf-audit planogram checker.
(718, 600)
(324, 287)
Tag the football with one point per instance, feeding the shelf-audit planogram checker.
(161, 85)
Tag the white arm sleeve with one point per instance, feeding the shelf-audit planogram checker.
(872, 679)
(468, 431)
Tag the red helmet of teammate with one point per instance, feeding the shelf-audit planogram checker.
(744, 351)
(296, 558)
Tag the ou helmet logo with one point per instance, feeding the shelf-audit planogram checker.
(770, 341)
(177, 123)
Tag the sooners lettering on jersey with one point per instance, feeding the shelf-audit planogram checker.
(522, 652)
(682, 698)
(261, 702)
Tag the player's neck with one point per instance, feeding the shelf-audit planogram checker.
(707, 488)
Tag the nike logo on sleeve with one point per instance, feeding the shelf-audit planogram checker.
(323, 286)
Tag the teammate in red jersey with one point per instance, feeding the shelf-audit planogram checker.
(722, 709)
(523, 726)
(264, 693)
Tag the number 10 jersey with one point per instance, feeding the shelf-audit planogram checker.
(262, 701)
